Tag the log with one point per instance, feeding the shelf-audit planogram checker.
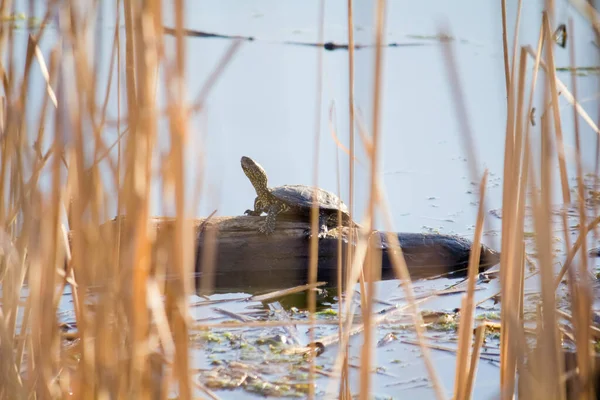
(244, 258)
(232, 255)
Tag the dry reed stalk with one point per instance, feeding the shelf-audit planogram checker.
(556, 111)
(505, 48)
(285, 292)
(161, 318)
(257, 324)
(371, 264)
(566, 94)
(69, 120)
(511, 269)
(446, 349)
(513, 243)
(314, 212)
(574, 249)
(43, 247)
(507, 364)
(548, 361)
(401, 271)
(344, 391)
(344, 384)
(474, 362)
(179, 286)
(351, 106)
(593, 16)
(526, 127)
(513, 64)
(348, 310)
(12, 286)
(581, 289)
(208, 262)
(512, 152)
(465, 329)
(138, 173)
(514, 279)
(587, 10)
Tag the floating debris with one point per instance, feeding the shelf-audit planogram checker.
(560, 35)
(252, 378)
(388, 338)
(439, 320)
(326, 45)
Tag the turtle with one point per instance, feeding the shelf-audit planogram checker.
(292, 200)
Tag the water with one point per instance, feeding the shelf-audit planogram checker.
(264, 106)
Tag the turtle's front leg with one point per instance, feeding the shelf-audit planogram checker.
(258, 208)
(269, 225)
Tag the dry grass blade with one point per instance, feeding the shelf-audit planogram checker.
(514, 279)
(573, 250)
(511, 271)
(593, 329)
(479, 337)
(515, 49)
(178, 289)
(507, 76)
(465, 329)
(401, 271)
(258, 324)
(212, 395)
(44, 69)
(365, 371)
(581, 288)
(285, 292)
(447, 349)
(340, 272)
(556, 111)
(348, 310)
(436, 293)
(161, 319)
(564, 92)
(587, 10)
(233, 315)
(548, 360)
(314, 212)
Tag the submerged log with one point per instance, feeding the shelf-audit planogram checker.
(231, 254)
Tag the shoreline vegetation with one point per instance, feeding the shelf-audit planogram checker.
(137, 335)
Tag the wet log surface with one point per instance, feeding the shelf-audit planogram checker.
(244, 258)
(232, 255)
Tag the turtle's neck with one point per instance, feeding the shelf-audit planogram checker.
(262, 190)
(259, 181)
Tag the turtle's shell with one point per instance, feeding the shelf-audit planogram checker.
(301, 196)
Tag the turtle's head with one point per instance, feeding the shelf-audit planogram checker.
(256, 174)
